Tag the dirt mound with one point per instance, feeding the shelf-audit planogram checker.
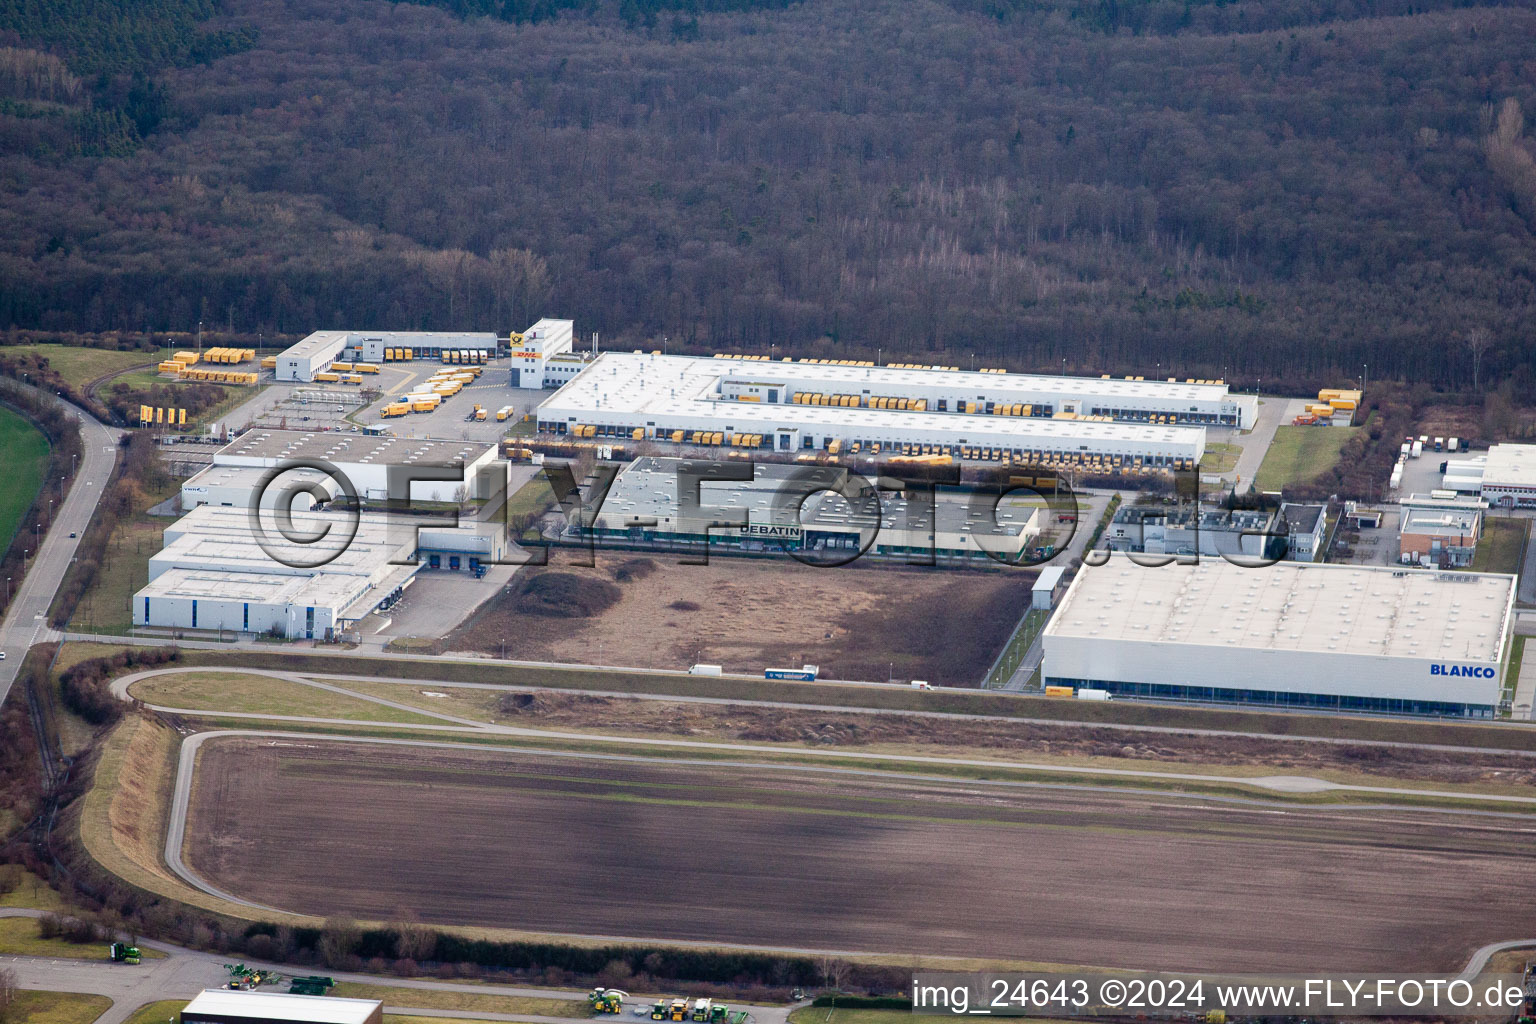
(566, 595)
(633, 569)
(543, 702)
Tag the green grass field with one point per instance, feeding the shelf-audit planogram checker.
(57, 1008)
(1501, 546)
(103, 608)
(163, 1012)
(23, 458)
(470, 1002)
(533, 498)
(238, 691)
(1299, 454)
(1220, 457)
(80, 365)
(19, 937)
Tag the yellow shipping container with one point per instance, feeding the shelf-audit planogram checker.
(327, 378)
(269, 363)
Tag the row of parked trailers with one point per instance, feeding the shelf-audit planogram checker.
(225, 356)
(242, 377)
(432, 391)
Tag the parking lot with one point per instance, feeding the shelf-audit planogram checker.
(453, 418)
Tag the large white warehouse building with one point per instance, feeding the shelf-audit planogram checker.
(219, 571)
(1294, 634)
(794, 406)
(440, 467)
(305, 358)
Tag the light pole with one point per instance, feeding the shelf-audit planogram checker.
(7, 590)
(503, 648)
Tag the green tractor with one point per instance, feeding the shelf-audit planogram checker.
(719, 1014)
(659, 1010)
(607, 1000)
(243, 977)
(122, 953)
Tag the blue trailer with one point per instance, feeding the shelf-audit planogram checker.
(805, 673)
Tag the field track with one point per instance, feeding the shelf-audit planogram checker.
(800, 860)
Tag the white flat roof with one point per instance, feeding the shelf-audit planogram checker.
(212, 553)
(901, 379)
(669, 390)
(315, 344)
(1291, 606)
(1510, 465)
(282, 1006)
(341, 448)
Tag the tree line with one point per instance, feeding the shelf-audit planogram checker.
(1298, 193)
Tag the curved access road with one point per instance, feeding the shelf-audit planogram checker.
(1289, 784)
(1173, 730)
(26, 620)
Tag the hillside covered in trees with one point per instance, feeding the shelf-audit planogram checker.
(1276, 189)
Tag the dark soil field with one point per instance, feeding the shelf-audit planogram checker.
(942, 625)
(799, 859)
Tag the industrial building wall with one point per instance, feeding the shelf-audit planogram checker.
(373, 343)
(1247, 668)
(177, 613)
(299, 364)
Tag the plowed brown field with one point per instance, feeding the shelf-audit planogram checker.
(805, 859)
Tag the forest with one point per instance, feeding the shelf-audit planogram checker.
(1283, 193)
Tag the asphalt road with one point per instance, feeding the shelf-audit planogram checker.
(121, 684)
(26, 621)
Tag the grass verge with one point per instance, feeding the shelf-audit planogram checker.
(448, 999)
(1502, 545)
(23, 456)
(19, 937)
(166, 1011)
(33, 893)
(832, 695)
(58, 1007)
(259, 694)
(80, 365)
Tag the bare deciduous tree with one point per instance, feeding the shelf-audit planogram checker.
(1477, 341)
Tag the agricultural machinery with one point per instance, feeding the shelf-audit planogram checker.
(122, 953)
(607, 1000)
